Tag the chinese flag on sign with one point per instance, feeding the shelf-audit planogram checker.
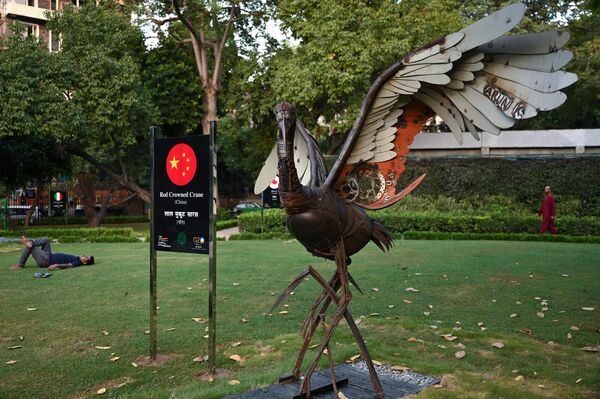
(181, 164)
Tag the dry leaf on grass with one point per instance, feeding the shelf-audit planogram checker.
(413, 339)
(513, 315)
(540, 314)
(519, 378)
(236, 358)
(354, 358)
(114, 359)
(31, 309)
(406, 301)
(101, 391)
(103, 347)
(200, 320)
(449, 337)
(498, 345)
(589, 309)
(15, 347)
(460, 354)
(400, 368)
(411, 289)
(375, 289)
(171, 329)
(284, 312)
(591, 349)
(525, 331)
(12, 362)
(377, 363)
(233, 382)
(236, 284)
(244, 321)
(105, 332)
(134, 364)
(578, 380)
(235, 344)
(461, 346)
(426, 313)
(574, 328)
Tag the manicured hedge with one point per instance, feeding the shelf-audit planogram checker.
(521, 178)
(436, 235)
(82, 220)
(77, 234)
(399, 222)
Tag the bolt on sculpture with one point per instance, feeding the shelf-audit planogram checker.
(477, 77)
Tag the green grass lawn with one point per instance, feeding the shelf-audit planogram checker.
(457, 286)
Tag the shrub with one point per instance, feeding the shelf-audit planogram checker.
(273, 221)
(78, 234)
(520, 178)
(436, 235)
(399, 222)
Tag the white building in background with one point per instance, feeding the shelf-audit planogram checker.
(509, 144)
(33, 14)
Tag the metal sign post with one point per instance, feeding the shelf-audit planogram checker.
(212, 253)
(153, 297)
(183, 212)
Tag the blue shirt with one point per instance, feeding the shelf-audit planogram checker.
(61, 259)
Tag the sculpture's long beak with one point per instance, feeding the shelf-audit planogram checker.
(282, 138)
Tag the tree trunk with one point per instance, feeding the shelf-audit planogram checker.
(210, 108)
(103, 208)
(86, 190)
(29, 213)
(75, 149)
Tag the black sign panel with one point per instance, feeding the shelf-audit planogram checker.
(181, 194)
(270, 196)
(58, 202)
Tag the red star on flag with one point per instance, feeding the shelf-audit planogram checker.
(181, 164)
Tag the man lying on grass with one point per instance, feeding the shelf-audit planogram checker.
(41, 252)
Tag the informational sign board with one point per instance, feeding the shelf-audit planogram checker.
(58, 202)
(270, 196)
(181, 194)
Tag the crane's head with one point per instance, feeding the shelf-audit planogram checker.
(286, 119)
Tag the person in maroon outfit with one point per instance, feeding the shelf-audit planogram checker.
(548, 212)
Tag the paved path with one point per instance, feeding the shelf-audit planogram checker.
(228, 232)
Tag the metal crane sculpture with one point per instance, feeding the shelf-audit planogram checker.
(475, 78)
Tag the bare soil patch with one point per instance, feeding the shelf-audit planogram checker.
(161, 359)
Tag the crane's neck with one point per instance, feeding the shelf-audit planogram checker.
(288, 176)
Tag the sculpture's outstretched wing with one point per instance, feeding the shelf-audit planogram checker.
(473, 78)
(307, 157)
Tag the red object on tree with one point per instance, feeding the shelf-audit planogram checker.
(548, 213)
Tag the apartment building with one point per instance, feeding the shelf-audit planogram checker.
(33, 14)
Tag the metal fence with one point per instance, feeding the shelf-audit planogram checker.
(15, 207)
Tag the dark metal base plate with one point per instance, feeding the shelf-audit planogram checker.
(358, 386)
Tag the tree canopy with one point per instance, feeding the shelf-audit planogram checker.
(98, 95)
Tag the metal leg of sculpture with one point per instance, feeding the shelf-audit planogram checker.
(311, 322)
(330, 358)
(340, 261)
(296, 282)
(364, 352)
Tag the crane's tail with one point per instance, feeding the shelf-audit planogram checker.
(381, 236)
